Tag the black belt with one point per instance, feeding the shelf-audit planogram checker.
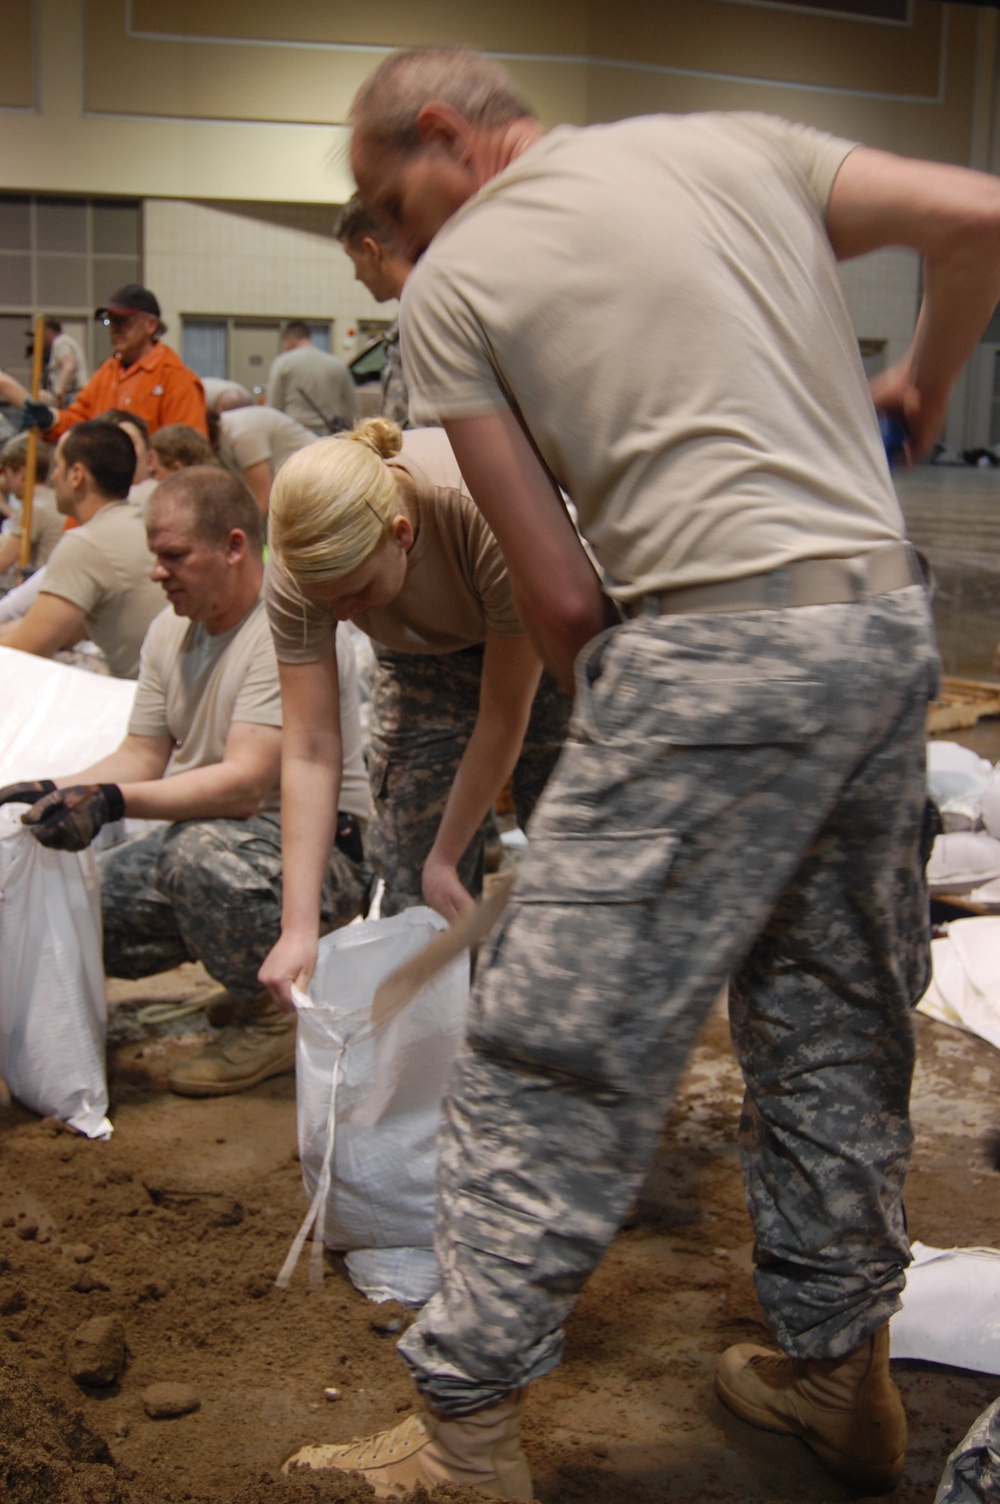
(807, 582)
(350, 836)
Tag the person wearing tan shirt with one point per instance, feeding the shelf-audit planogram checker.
(97, 582)
(46, 523)
(376, 527)
(648, 314)
(202, 756)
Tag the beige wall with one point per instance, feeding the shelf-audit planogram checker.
(220, 117)
(252, 260)
(244, 99)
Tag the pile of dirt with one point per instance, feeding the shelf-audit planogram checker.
(175, 1229)
(48, 1453)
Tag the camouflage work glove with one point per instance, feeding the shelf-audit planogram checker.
(36, 415)
(69, 819)
(26, 793)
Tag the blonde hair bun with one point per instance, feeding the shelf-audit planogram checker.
(332, 503)
(381, 435)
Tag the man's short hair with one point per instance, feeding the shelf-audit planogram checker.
(219, 501)
(106, 451)
(179, 444)
(296, 329)
(14, 455)
(386, 107)
(54, 325)
(356, 223)
(120, 415)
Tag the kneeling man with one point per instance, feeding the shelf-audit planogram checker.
(202, 753)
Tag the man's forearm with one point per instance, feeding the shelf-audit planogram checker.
(212, 793)
(560, 639)
(122, 766)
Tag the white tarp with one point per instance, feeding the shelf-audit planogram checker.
(965, 980)
(54, 718)
(951, 1309)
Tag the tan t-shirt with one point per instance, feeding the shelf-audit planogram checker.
(138, 497)
(193, 687)
(103, 567)
(47, 525)
(248, 435)
(659, 300)
(456, 588)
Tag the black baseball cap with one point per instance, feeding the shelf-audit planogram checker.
(132, 298)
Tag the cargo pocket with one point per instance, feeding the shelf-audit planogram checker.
(570, 972)
(557, 1261)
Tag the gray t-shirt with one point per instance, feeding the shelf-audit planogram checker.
(304, 379)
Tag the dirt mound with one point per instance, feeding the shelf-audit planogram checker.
(48, 1453)
(176, 1228)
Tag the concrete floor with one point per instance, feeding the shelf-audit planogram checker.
(953, 517)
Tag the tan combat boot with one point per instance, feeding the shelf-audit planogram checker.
(260, 1044)
(848, 1410)
(481, 1451)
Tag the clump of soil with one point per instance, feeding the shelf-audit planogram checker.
(48, 1453)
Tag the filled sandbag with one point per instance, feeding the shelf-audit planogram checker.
(52, 1004)
(965, 978)
(369, 1104)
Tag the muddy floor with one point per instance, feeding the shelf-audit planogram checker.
(177, 1227)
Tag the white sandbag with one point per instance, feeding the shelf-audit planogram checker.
(54, 718)
(963, 860)
(965, 978)
(955, 772)
(951, 1309)
(369, 1105)
(990, 805)
(52, 1005)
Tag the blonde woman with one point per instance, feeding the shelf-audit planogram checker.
(378, 528)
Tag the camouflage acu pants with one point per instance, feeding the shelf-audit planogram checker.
(739, 796)
(209, 891)
(423, 709)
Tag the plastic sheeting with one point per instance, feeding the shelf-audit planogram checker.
(965, 980)
(951, 1309)
(54, 718)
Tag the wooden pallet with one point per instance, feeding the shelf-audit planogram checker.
(962, 703)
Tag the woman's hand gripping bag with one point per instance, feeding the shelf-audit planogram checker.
(53, 1013)
(369, 1105)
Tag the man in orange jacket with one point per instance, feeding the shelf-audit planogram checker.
(141, 375)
